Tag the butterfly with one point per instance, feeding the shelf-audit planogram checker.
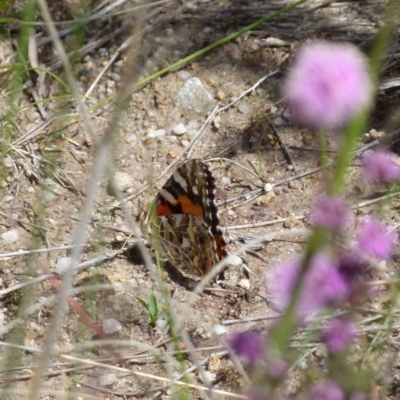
(184, 220)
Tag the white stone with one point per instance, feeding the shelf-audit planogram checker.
(10, 236)
(110, 326)
(220, 329)
(157, 133)
(183, 75)
(193, 99)
(244, 283)
(179, 129)
(225, 181)
(234, 261)
(122, 179)
(162, 321)
(207, 376)
(268, 187)
(62, 264)
(8, 162)
(273, 109)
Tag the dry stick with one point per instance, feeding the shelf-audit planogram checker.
(80, 266)
(120, 49)
(39, 129)
(283, 145)
(22, 222)
(99, 166)
(233, 162)
(153, 377)
(46, 392)
(74, 369)
(254, 319)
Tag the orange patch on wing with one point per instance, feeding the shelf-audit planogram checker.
(188, 207)
(163, 210)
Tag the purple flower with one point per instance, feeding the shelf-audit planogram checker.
(338, 334)
(374, 239)
(277, 367)
(323, 285)
(328, 390)
(250, 345)
(330, 212)
(380, 166)
(354, 270)
(327, 85)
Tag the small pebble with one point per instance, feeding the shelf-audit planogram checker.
(244, 284)
(172, 154)
(156, 134)
(192, 133)
(132, 137)
(225, 181)
(268, 187)
(265, 199)
(294, 185)
(273, 109)
(8, 162)
(10, 236)
(244, 108)
(220, 329)
(278, 121)
(179, 129)
(183, 75)
(62, 264)
(193, 99)
(110, 326)
(115, 76)
(207, 376)
(31, 189)
(292, 223)
(162, 322)
(47, 196)
(49, 182)
(8, 199)
(235, 261)
(107, 379)
(122, 179)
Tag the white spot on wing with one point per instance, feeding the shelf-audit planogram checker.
(180, 180)
(168, 196)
